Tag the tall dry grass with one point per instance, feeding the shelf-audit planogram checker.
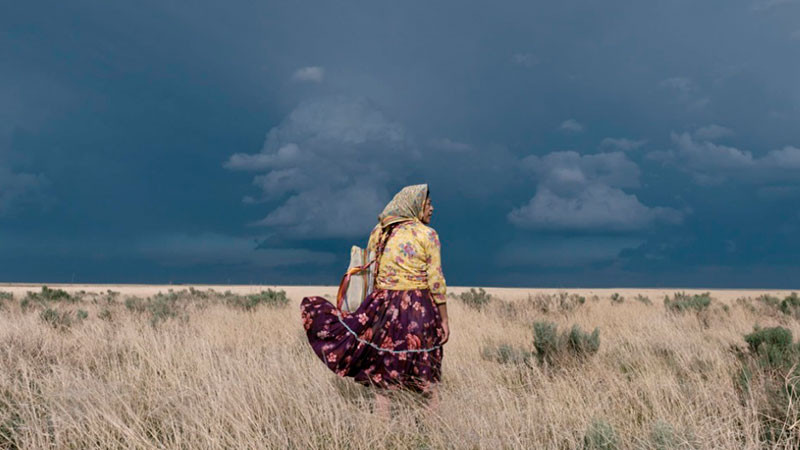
(215, 376)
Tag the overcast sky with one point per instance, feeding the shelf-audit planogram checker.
(566, 144)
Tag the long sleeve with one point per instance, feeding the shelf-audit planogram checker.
(436, 282)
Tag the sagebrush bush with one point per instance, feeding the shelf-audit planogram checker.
(506, 354)
(600, 435)
(476, 299)
(682, 302)
(248, 302)
(616, 298)
(791, 305)
(4, 297)
(561, 302)
(552, 346)
(771, 366)
(643, 299)
(56, 319)
(583, 344)
(51, 295)
(160, 307)
(663, 436)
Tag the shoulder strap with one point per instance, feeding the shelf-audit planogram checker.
(381, 246)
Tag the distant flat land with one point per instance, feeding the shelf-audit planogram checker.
(298, 292)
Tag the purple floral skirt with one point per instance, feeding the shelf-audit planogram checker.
(391, 341)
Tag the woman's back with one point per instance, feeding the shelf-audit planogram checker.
(411, 259)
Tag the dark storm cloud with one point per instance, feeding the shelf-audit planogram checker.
(624, 143)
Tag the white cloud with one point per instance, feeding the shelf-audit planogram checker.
(571, 126)
(685, 91)
(450, 145)
(584, 192)
(596, 207)
(525, 59)
(711, 163)
(680, 84)
(286, 156)
(712, 132)
(569, 171)
(323, 212)
(181, 250)
(330, 163)
(314, 74)
(623, 144)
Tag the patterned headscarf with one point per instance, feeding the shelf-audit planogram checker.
(407, 204)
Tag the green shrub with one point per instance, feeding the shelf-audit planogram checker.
(5, 296)
(616, 298)
(160, 307)
(561, 302)
(82, 314)
(682, 302)
(57, 320)
(584, 344)
(643, 299)
(105, 314)
(10, 424)
(663, 436)
(551, 346)
(506, 354)
(769, 300)
(248, 302)
(772, 347)
(136, 304)
(51, 295)
(791, 305)
(601, 436)
(476, 299)
(771, 366)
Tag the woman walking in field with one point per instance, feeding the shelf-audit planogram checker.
(394, 339)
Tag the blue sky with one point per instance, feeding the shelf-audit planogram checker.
(570, 144)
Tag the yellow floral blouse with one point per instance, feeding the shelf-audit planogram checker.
(411, 260)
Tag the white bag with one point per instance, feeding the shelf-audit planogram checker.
(357, 282)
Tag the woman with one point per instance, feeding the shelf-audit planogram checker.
(394, 339)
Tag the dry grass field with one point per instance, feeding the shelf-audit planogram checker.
(194, 370)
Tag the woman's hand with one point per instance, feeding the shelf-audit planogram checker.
(445, 322)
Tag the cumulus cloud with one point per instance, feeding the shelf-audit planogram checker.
(17, 188)
(584, 192)
(685, 91)
(449, 145)
(712, 163)
(712, 132)
(570, 126)
(182, 250)
(525, 59)
(330, 164)
(623, 144)
(313, 74)
(766, 5)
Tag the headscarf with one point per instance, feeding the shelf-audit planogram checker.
(408, 204)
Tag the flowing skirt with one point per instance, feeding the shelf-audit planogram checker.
(391, 341)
